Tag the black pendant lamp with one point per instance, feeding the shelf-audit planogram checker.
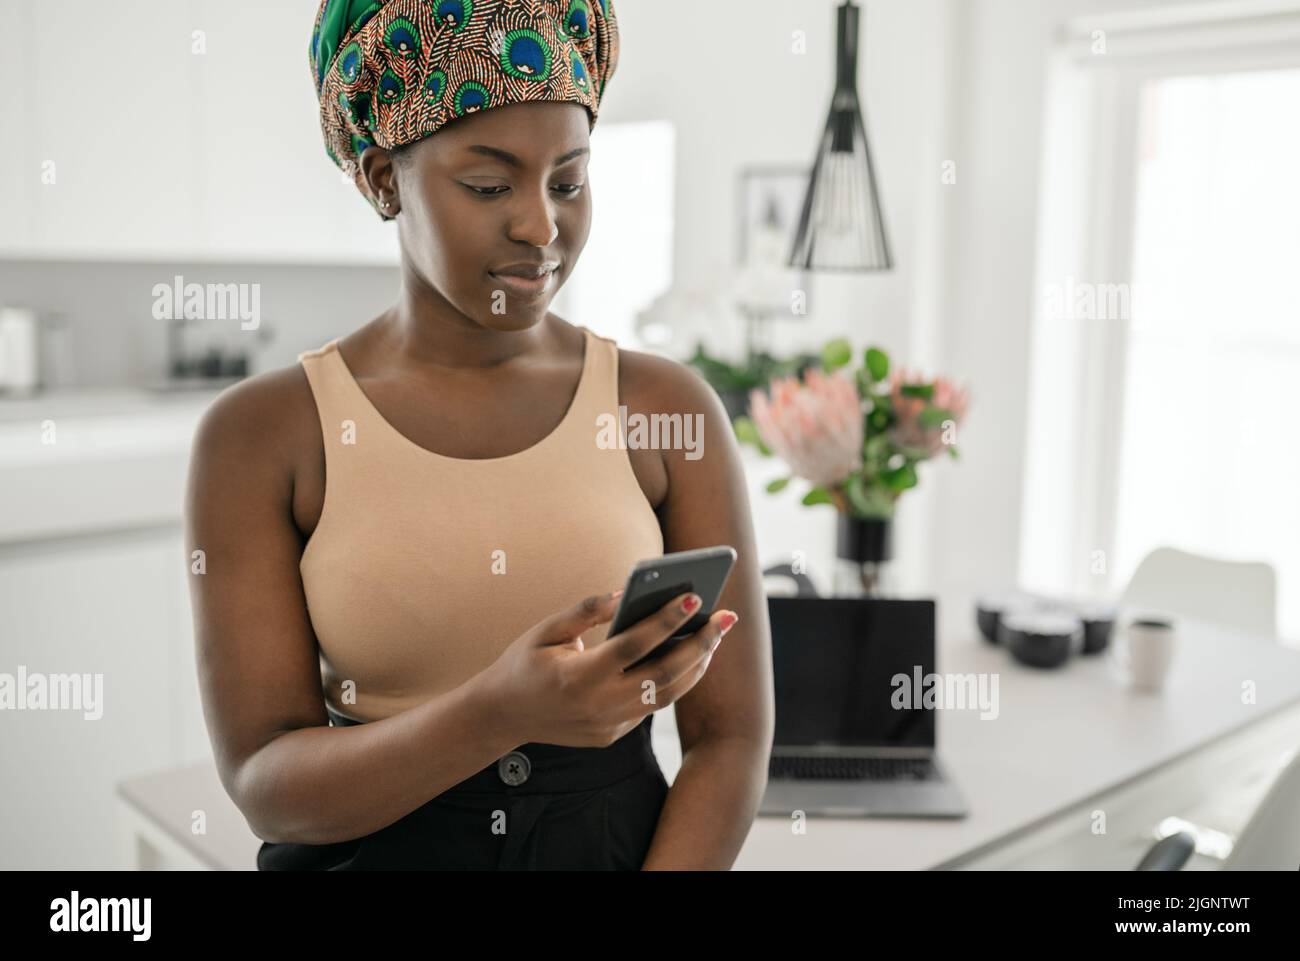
(841, 227)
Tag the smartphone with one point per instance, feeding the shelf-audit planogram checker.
(657, 580)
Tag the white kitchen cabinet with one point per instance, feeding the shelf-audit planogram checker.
(271, 191)
(111, 86)
(106, 605)
(93, 580)
(19, 174)
(176, 131)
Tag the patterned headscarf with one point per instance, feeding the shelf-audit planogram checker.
(390, 72)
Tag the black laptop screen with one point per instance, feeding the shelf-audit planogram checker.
(835, 661)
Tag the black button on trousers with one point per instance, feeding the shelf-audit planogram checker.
(554, 808)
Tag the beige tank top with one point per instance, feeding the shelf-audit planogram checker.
(423, 568)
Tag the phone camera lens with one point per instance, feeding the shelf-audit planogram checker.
(652, 576)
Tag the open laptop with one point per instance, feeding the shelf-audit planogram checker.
(847, 743)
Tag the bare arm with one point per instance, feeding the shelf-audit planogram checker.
(294, 778)
(726, 721)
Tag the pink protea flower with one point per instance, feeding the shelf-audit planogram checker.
(908, 431)
(815, 427)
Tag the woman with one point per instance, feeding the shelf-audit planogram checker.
(409, 540)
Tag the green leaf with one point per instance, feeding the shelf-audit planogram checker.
(836, 354)
(875, 451)
(747, 433)
(935, 416)
(855, 492)
(868, 499)
(923, 391)
(723, 377)
(818, 495)
(952, 452)
(777, 485)
(901, 479)
(877, 363)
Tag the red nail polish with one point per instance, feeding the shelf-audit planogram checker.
(690, 604)
(728, 620)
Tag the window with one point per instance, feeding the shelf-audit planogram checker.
(628, 260)
(1166, 337)
(1210, 439)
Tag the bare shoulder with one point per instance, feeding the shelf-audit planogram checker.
(260, 427)
(697, 422)
(653, 383)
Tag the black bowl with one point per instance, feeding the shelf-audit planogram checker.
(1041, 639)
(1098, 619)
(990, 609)
(1098, 623)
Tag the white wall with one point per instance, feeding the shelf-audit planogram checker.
(739, 96)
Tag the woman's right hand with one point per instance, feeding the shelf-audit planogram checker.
(551, 689)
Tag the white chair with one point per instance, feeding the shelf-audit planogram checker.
(1234, 594)
(1270, 841)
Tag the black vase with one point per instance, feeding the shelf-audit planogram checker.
(864, 546)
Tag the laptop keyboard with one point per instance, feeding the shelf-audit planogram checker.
(818, 768)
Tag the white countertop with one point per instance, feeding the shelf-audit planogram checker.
(74, 463)
(100, 402)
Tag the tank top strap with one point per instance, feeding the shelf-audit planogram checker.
(326, 384)
(348, 420)
(599, 393)
(327, 387)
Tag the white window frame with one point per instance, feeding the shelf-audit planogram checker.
(1086, 231)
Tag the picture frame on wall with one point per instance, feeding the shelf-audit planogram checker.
(769, 199)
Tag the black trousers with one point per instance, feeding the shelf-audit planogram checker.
(540, 807)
